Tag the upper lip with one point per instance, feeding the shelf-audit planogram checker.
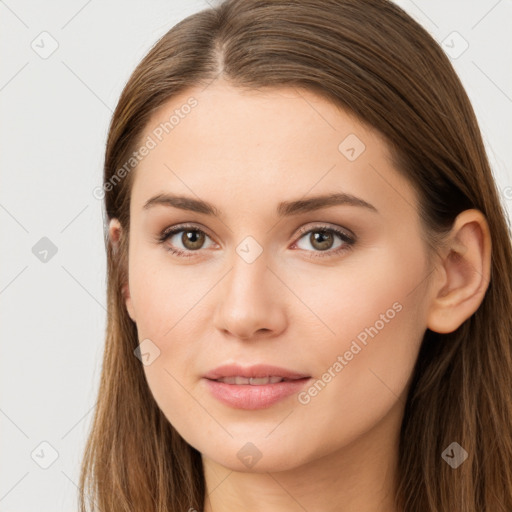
(255, 371)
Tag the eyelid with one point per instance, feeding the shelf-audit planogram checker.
(319, 225)
(183, 227)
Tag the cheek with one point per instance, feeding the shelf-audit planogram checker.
(161, 291)
(375, 295)
(365, 363)
(167, 300)
(363, 377)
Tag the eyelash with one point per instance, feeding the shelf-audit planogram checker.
(347, 240)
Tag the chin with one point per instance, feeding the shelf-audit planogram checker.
(267, 463)
(256, 456)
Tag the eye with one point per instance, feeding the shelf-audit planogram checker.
(192, 239)
(322, 239)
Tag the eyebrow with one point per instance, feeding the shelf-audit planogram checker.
(284, 209)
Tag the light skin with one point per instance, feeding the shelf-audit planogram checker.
(245, 152)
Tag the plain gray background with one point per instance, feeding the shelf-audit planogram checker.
(55, 111)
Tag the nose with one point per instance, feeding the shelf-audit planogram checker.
(251, 301)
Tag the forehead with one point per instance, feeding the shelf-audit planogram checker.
(226, 142)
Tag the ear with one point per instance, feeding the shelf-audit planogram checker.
(465, 269)
(115, 233)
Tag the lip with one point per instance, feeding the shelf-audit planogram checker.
(255, 371)
(251, 397)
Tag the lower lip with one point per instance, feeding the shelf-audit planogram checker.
(247, 396)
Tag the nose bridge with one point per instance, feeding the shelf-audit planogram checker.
(249, 257)
(248, 300)
(249, 272)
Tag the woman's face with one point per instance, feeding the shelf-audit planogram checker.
(268, 280)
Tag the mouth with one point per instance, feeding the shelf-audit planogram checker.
(251, 393)
(256, 381)
(253, 387)
(258, 374)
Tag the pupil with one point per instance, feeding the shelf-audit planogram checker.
(323, 238)
(193, 239)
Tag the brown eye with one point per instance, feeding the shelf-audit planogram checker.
(183, 240)
(192, 239)
(321, 240)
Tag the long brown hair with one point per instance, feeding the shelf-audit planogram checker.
(373, 60)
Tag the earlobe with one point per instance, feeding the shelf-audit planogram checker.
(128, 302)
(115, 232)
(465, 267)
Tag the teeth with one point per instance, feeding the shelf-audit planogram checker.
(264, 380)
(253, 381)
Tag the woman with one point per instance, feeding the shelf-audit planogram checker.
(308, 273)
